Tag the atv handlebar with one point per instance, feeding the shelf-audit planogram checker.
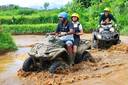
(56, 35)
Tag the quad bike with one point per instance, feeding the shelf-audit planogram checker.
(53, 55)
(107, 37)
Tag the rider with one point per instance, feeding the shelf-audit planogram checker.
(106, 18)
(78, 30)
(66, 34)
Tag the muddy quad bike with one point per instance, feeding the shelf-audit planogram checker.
(106, 38)
(52, 55)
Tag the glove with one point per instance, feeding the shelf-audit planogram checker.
(63, 33)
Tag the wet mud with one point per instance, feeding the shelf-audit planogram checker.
(111, 67)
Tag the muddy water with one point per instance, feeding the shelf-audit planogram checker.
(10, 63)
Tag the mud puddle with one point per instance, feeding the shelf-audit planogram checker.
(11, 62)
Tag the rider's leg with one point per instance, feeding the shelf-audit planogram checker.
(112, 29)
(69, 45)
(75, 46)
(94, 39)
(101, 29)
(75, 50)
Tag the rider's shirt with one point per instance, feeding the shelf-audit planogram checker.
(65, 28)
(77, 27)
(110, 17)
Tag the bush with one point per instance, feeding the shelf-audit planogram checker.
(89, 17)
(6, 43)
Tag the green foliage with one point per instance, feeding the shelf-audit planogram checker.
(33, 19)
(23, 16)
(29, 28)
(89, 16)
(6, 43)
(25, 11)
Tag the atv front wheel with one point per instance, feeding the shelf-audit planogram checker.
(85, 56)
(57, 64)
(28, 63)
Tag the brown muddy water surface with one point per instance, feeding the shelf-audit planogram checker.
(112, 69)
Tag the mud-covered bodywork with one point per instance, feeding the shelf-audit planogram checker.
(52, 54)
(106, 38)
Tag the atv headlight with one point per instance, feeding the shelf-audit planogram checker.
(99, 36)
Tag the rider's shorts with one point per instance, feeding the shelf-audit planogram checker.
(68, 39)
(69, 42)
(76, 41)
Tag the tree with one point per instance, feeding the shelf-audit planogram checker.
(46, 4)
(87, 3)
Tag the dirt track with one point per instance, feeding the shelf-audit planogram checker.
(111, 69)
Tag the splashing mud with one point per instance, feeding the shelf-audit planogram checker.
(111, 61)
(120, 47)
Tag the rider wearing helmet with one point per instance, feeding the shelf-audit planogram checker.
(78, 30)
(106, 17)
(66, 33)
(105, 20)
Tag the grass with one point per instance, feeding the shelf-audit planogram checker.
(33, 19)
(29, 28)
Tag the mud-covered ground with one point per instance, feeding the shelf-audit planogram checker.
(111, 68)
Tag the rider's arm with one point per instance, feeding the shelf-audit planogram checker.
(71, 31)
(113, 18)
(101, 18)
(57, 30)
(54, 33)
(81, 30)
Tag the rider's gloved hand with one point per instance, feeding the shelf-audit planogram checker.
(77, 33)
(59, 35)
(63, 33)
